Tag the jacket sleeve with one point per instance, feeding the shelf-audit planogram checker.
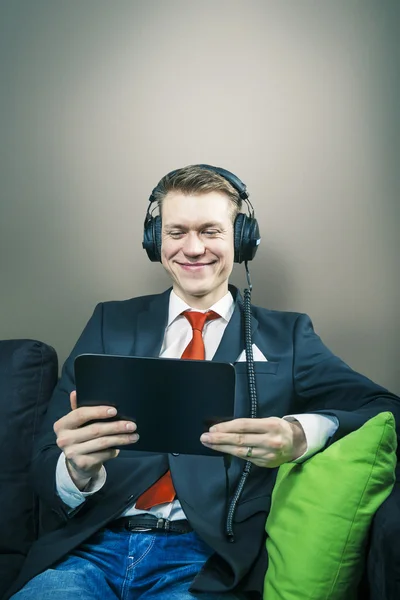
(323, 383)
(46, 452)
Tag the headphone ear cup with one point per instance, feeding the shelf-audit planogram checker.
(246, 238)
(237, 237)
(152, 238)
(157, 236)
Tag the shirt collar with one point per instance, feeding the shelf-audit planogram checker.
(224, 307)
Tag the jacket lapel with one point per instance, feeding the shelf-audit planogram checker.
(151, 325)
(232, 342)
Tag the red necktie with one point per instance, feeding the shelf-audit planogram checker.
(163, 489)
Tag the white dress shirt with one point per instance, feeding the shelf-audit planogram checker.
(317, 428)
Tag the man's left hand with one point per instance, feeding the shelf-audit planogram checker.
(266, 442)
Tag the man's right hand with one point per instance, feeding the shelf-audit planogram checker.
(87, 444)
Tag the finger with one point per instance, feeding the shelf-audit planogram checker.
(73, 401)
(241, 452)
(269, 424)
(242, 440)
(102, 444)
(258, 456)
(80, 416)
(93, 431)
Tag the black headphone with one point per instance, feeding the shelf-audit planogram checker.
(246, 233)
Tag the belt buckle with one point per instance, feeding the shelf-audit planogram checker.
(163, 524)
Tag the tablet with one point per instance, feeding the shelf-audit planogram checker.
(172, 401)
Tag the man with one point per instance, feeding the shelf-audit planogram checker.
(113, 537)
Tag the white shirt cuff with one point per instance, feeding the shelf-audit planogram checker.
(317, 429)
(67, 490)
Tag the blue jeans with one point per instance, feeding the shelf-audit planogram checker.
(121, 565)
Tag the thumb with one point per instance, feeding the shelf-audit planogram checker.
(72, 399)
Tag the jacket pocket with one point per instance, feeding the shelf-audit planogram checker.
(250, 507)
(260, 367)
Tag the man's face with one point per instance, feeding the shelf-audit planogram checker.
(197, 245)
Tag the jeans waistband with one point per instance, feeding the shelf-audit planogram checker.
(146, 522)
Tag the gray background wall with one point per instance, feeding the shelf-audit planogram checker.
(99, 99)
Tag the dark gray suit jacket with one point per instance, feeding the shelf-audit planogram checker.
(301, 375)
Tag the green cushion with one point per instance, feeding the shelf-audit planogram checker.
(321, 512)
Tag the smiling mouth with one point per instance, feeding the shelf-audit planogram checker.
(195, 265)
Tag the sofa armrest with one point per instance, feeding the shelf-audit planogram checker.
(28, 374)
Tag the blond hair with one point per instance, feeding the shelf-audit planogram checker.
(196, 179)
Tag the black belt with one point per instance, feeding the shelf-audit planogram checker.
(150, 522)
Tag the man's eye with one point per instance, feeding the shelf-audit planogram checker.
(176, 234)
(210, 232)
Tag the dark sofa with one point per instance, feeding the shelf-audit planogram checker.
(28, 374)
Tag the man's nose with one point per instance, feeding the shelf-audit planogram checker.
(193, 245)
